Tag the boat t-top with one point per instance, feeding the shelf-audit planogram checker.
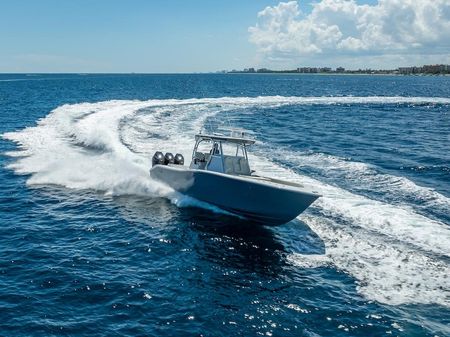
(220, 174)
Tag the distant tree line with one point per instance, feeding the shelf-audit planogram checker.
(435, 69)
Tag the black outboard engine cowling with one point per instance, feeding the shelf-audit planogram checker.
(179, 159)
(158, 158)
(168, 158)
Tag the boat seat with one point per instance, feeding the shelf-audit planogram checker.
(244, 167)
(236, 165)
(229, 167)
(241, 166)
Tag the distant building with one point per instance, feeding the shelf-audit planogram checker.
(410, 70)
(436, 69)
(405, 70)
(307, 70)
(325, 70)
(340, 69)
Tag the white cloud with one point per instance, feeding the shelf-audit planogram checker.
(344, 29)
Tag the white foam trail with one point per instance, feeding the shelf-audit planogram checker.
(368, 176)
(15, 80)
(386, 272)
(52, 158)
(394, 253)
(107, 146)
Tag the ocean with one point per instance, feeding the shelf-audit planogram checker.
(91, 246)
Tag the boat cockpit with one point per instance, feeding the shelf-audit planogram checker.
(221, 154)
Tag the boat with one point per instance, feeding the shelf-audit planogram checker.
(219, 174)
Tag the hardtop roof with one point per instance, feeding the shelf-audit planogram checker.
(227, 139)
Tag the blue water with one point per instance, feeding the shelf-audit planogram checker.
(90, 245)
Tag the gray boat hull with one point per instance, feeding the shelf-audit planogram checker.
(260, 199)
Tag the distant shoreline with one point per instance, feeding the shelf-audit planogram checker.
(427, 69)
(228, 73)
(332, 74)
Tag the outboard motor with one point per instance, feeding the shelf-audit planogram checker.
(179, 159)
(168, 158)
(158, 158)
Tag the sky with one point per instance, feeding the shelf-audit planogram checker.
(209, 35)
